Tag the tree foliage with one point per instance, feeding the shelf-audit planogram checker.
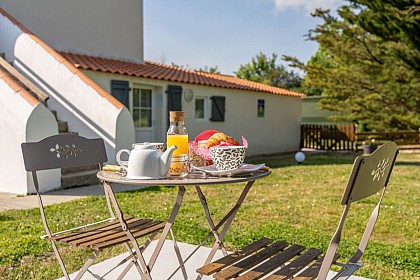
(209, 69)
(367, 64)
(263, 69)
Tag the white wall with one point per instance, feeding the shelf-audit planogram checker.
(87, 108)
(98, 27)
(22, 122)
(277, 132)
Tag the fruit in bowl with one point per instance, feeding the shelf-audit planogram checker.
(227, 158)
(199, 149)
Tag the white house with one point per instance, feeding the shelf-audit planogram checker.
(89, 63)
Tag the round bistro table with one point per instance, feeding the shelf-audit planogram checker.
(111, 180)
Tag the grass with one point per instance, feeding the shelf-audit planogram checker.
(298, 203)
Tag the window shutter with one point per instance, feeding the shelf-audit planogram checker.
(174, 98)
(218, 108)
(120, 90)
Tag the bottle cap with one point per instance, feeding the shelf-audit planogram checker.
(176, 116)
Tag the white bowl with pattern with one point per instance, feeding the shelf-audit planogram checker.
(228, 157)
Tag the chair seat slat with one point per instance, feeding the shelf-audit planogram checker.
(90, 230)
(115, 231)
(113, 235)
(296, 265)
(234, 257)
(110, 233)
(312, 271)
(153, 227)
(274, 263)
(249, 262)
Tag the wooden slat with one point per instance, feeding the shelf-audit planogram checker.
(273, 263)
(110, 233)
(114, 235)
(296, 265)
(221, 263)
(249, 262)
(155, 226)
(114, 224)
(116, 232)
(312, 271)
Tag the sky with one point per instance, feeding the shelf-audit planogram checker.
(228, 33)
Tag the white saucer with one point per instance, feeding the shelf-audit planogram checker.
(244, 169)
(143, 178)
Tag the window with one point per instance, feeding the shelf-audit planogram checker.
(199, 107)
(261, 108)
(142, 107)
(218, 108)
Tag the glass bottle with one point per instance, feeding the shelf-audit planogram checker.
(177, 133)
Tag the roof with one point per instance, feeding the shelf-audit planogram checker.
(158, 71)
(17, 88)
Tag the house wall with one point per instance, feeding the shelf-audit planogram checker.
(311, 114)
(105, 28)
(278, 131)
(87, 108)
(23, 122)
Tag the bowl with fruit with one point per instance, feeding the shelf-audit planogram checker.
(201, 149)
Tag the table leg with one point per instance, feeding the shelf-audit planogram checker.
(226, 220)
(167, 229)
(110, 194)
(209, 219)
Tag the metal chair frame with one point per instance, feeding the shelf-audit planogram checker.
(70, 150)
(370, 174)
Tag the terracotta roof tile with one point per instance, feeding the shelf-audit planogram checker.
(154, 70)
(18, 88)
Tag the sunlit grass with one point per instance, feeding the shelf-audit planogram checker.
(298, 203)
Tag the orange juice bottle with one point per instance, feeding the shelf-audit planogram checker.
(177, 133)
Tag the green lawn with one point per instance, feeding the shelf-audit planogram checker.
(298, 203)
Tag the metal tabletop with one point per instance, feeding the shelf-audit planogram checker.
(119, 178)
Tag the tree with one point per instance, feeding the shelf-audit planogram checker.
(364, 77)
(263, 69)
(394, 21)
(211, 69)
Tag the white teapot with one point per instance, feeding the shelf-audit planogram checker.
(146, 161)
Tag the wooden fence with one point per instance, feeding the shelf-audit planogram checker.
(344, 137)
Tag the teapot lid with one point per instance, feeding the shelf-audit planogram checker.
(146, 145)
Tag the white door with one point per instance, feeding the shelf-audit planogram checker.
(142, 111)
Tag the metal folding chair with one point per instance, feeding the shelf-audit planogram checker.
(264, 259)
(69, 150)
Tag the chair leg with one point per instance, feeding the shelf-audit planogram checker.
(348, 270)
(87, 264)
(60, 260)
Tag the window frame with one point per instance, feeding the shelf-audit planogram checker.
(142, 108)
(205, 110)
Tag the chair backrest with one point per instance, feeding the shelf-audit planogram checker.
(63, 150)
(370, 173)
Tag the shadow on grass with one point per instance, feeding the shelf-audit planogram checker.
(408, 163)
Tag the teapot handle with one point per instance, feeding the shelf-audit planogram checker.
(122, 163)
